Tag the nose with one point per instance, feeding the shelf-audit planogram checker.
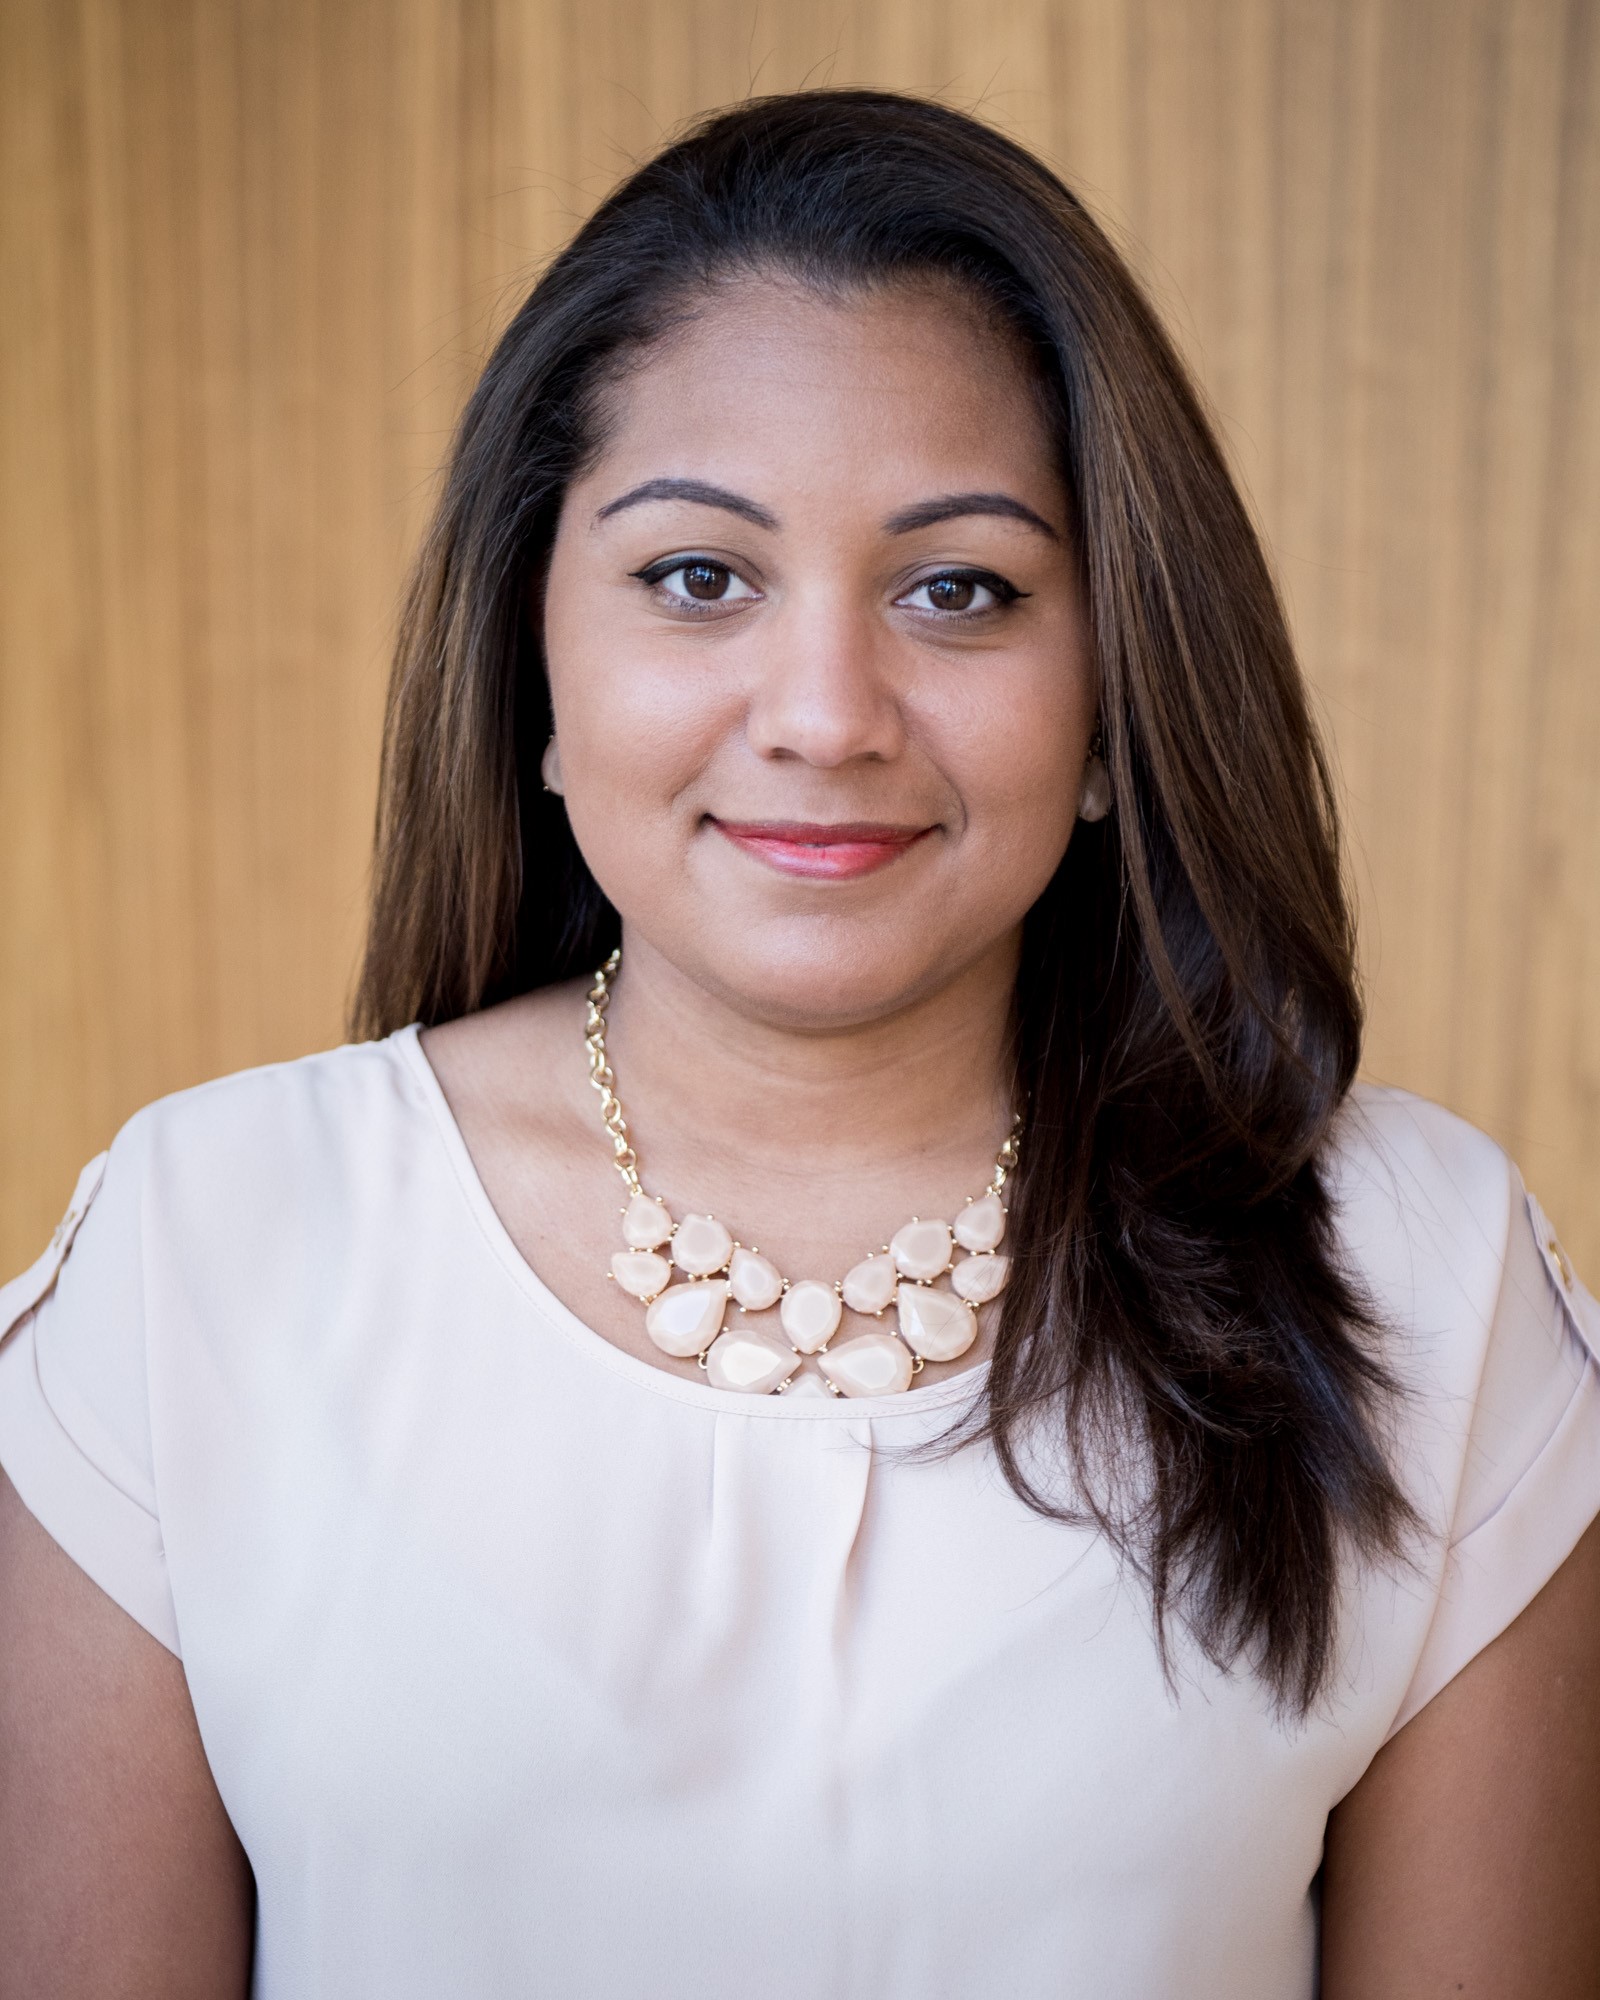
(823, 690)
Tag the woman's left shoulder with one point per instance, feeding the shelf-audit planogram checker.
(1389, 1147)
(1494, 1342)
(1487, 1327)
(1433, 1214)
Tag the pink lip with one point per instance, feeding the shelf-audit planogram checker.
(822, 853)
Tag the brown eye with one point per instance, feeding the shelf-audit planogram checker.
(704, 580)
(956, 594)
(688, 583)
(951, 593)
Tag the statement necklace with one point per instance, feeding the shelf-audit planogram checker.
(763, 1351)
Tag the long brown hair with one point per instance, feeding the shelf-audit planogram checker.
(1187, 1019)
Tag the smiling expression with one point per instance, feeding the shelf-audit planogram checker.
(817, 654)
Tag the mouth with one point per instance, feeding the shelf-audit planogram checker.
(836, 852)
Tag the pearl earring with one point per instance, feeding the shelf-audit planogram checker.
(1094, 793)
(550, 767)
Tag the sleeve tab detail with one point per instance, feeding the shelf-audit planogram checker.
(1579, 1304)
(23, 1293)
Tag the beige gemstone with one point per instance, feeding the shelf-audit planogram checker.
(641, 1273)
(982, 1223)
(808, 1387)
(921, 1249)
(810, 1314)
(981, 1278)
(700, 1245)
(873, 1364)
(685, 1319)
(646, 1225)
(869, 1286)
(938, 1325)
(755, 1281)
(752, 1362)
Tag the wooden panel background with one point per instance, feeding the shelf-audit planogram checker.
(251, 252)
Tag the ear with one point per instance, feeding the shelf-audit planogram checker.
(550, 766)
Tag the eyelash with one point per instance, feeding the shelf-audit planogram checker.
(1005, 593)
(656, 573)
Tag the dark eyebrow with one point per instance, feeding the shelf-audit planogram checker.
(951, 507)
(697, 490)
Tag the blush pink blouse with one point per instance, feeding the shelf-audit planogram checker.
(526, 1668)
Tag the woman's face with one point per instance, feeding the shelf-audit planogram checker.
(818, 659)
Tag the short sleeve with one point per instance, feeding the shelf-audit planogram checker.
(1530, 1480)
(74, 1403)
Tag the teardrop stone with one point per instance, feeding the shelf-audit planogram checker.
(981, 1278)
(937, 1325)
(684, 1320)
(873, 1364)
(921, 1249)
(641, 1273)
(755, 1281)
(808, 1388)
(982, 1223)
(646, 1225)
(869, 1286)
(749, 1361)
(700, 1245)
(810, 1314)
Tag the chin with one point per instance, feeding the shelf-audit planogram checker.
(828, 972)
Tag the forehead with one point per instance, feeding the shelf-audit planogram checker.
(786, 385)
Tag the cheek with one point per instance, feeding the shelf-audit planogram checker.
(631, 727)
(1016, 757)
(629, 736)
(635, 734)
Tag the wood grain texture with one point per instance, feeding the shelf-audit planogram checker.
(251, 255)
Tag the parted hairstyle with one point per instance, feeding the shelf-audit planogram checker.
(1187, 1018)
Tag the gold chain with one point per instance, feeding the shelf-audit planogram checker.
(600, 1074)
(604, 1080)
(1006, 1162)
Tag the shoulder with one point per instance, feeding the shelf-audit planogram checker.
(244, 1154)
(229, 1214)
(1494, 1342)
(328, 1082)
(1427, 1156)
(1426, 1204)
(1485, 1321)
(324, 1102)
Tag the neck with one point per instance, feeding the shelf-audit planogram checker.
(930, 1078)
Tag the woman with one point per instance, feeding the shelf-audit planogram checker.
(1136, 1496)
